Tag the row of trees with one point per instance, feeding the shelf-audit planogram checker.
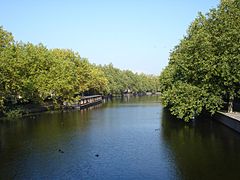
(121, 81)
(204, 68)
(32, 73)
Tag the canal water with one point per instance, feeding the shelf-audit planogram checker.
(122, 139)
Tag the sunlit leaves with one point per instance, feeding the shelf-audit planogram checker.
(33, 73)
(122, 80)
(204, 68)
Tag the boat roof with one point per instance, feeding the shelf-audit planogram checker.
(89, 97)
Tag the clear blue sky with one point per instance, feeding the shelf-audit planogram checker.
(132, 34)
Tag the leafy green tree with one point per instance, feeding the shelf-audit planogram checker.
(33, 73)
(122, 80)
(224, 30)
(61, 80)
(33, 65)
(9, 79)
(206, 59)
(98, 82)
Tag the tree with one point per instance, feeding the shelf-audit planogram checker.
(9, 79)
(205, 64)
(33, 73)
(224, 29)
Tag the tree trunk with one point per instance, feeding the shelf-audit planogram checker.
(230, 104)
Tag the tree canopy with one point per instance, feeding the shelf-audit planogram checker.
(122, 80)
(33, 73)
(204, 68)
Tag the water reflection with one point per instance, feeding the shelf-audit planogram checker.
(33, 137)
(134, 138)
(203, 150)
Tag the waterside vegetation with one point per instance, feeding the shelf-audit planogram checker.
(35, 75)
(204, 68)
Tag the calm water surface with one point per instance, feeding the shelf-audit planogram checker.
(123, 139)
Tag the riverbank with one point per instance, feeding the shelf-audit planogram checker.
(29, 109)
(24, 110)
(133, 138)
(232, 120)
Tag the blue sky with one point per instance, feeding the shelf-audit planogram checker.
(132, 34)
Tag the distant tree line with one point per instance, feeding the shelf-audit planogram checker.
(204, 68)
(121, 81)
(33, 74)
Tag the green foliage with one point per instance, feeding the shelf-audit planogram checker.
(187, 101)
(14, 113)
(8, 85)
(123, 80)
(32, 74)
(204, 68)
